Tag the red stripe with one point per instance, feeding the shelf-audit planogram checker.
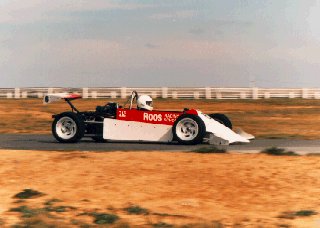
(153, 117)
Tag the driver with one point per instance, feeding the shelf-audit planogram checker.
(144, 102)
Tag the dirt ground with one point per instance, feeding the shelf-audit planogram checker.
(236, 190)
(271, 118)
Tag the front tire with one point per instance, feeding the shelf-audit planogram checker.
(189, 129)
(68, 127)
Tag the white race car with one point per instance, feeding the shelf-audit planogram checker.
(115, 123)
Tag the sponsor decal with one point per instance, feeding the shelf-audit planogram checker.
(171, 117)
(153, 117)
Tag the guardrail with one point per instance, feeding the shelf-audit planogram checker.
(167, 92)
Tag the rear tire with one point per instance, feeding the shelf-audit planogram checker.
(68, 127)
(189, 129)
(221, 118)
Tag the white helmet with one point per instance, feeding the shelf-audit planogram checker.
(145, 102)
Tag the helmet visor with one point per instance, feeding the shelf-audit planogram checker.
(149, 103)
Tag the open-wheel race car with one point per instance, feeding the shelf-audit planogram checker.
(112, 122)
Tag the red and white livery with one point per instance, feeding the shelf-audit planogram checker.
(113, 122)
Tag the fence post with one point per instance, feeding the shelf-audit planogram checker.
(208, 93)
(123, 92)
(164, 92)
(40, 95)
(113, 94)
(24, 94)
(196, 95)
(94, 94)
(17, 93)
(291, 95)
(85, 93)
(255, 93)
(243, 95)
(305, 93)
(174, 95)
(9, 95)
(154, 94)
(218, 94)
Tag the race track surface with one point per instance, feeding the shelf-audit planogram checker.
(47, 142)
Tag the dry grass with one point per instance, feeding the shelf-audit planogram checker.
(274, 118)
(251, 190)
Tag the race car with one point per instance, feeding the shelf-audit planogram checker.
(112, 122)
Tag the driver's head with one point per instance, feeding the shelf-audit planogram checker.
(145, 102)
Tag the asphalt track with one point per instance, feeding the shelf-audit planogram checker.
(47, 142)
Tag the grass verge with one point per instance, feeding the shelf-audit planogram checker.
(278, 152)
(28, 194)
(207, 150)
(136, 210)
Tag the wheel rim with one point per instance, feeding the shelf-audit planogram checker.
(187, 129)
(66, 128)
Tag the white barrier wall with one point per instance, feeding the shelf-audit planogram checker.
(167, 92)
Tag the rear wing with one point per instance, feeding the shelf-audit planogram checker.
(49, 98)
(68, 97)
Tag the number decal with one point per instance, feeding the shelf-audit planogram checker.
(122, 114)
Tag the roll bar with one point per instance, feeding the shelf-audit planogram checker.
(134, 95)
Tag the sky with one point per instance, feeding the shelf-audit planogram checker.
(155, 43)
